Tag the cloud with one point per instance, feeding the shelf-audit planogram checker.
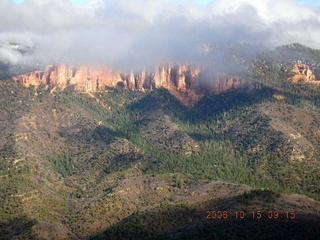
(139, 32)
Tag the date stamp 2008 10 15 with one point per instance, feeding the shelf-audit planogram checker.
(271, 214)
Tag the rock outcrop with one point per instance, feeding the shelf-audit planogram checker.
(303, 73)
(186, 82)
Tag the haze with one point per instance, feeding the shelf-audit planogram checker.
(139, 32)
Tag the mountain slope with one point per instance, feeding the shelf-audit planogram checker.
(76, 165)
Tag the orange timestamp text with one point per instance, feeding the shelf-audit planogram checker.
(271, 214)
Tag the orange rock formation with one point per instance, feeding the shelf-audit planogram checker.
(303, 73)
(182, 80)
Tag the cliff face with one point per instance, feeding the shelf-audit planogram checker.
(223, 83)
(184, 81)
(85, 78)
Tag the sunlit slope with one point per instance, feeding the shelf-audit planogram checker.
(79, 163)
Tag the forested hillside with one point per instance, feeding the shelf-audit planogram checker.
(122, 164)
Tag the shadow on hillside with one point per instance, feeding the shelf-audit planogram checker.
(82, 134)
(161, 99)
(18, 228)
(208, 106)
(215, 104)
(190, 222)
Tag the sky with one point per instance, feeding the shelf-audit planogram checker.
(204, 2)
(136, 32)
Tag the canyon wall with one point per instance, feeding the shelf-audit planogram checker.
(184, 81)
(97, 77)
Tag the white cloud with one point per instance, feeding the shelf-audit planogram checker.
(9, 56)
(137, 32)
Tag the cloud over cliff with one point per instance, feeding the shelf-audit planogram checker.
(138, 32)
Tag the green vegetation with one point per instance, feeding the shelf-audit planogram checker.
(199, 222)
(132, 163)
(61, 164)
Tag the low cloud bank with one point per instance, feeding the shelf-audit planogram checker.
(136, 33)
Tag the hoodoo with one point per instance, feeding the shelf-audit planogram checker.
(186, 82)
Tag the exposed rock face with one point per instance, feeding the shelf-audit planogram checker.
(184, 81)
(223, 83)
(303, 73)
(86, 78)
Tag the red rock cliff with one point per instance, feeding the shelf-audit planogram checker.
(183, 80)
